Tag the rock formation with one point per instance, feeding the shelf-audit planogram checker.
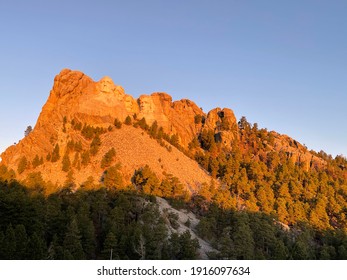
(76, 98)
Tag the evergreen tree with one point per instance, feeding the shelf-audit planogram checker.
(145, 180)
(95, 145)
(117, 123)
(110, 249)
(72, 242)
(243, 238)
(194, 144)
(244, 124)
(21, 242)
(66, 163)
(128, 120)
(174, 140)
(36, 247)
(300, 250)
(28, 130)
(183, 247)
(318, 216)
(22, 165)
(87, 230)
(113, 178)
(9, 249)
(37, 161)
(143, 124)
(85, 158)
(226, 245)
(55, 250)
(56, 153)
(153, 131)
(108, 158)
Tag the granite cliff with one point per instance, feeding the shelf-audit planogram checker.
(76, 102)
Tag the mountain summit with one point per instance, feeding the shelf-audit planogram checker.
(87, 126)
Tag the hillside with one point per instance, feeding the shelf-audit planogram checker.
(92, 134)
(79, 109)
(104, 164)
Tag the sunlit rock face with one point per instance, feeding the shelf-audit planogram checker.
(75, 95)
(106, 86)
(76, 98)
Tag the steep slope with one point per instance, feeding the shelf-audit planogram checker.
(77, 101)
(187, 221)
(80, 112)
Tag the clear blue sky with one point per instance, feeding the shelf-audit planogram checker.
(282, 64)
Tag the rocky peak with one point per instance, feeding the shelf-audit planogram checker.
(220, 119)
(67, 82)
(76, 97)
(106, 86)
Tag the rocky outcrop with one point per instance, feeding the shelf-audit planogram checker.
(223, 123)
(297, 153)
(175, 117)
(77, 98)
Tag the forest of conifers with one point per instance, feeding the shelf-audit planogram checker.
(88, 224)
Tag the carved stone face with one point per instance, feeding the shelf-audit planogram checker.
(106, 85)
(129, 103)
(146, 104)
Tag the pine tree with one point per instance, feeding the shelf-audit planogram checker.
(266, 198)
(300, 250)
(108, 158)
(146, 180)
(87, 230)
(318, 216)
(128, 120)
(21, 242)
(143, 124)
(85, 158)
(95, 145)
(56, 153)
(36, 247)
(66, 163)
(183, 247)
(28, 130)
(194, 144)
(55, 250)
(226, 244)
(117, 123)
(113, 178)
(110, 247)
(9, 243)
(174, 140)
(22, 165)
(243, 238)
(153, 131)
(37, 161)
(72, 241)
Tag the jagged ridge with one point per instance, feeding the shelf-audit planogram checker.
(77, 98)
